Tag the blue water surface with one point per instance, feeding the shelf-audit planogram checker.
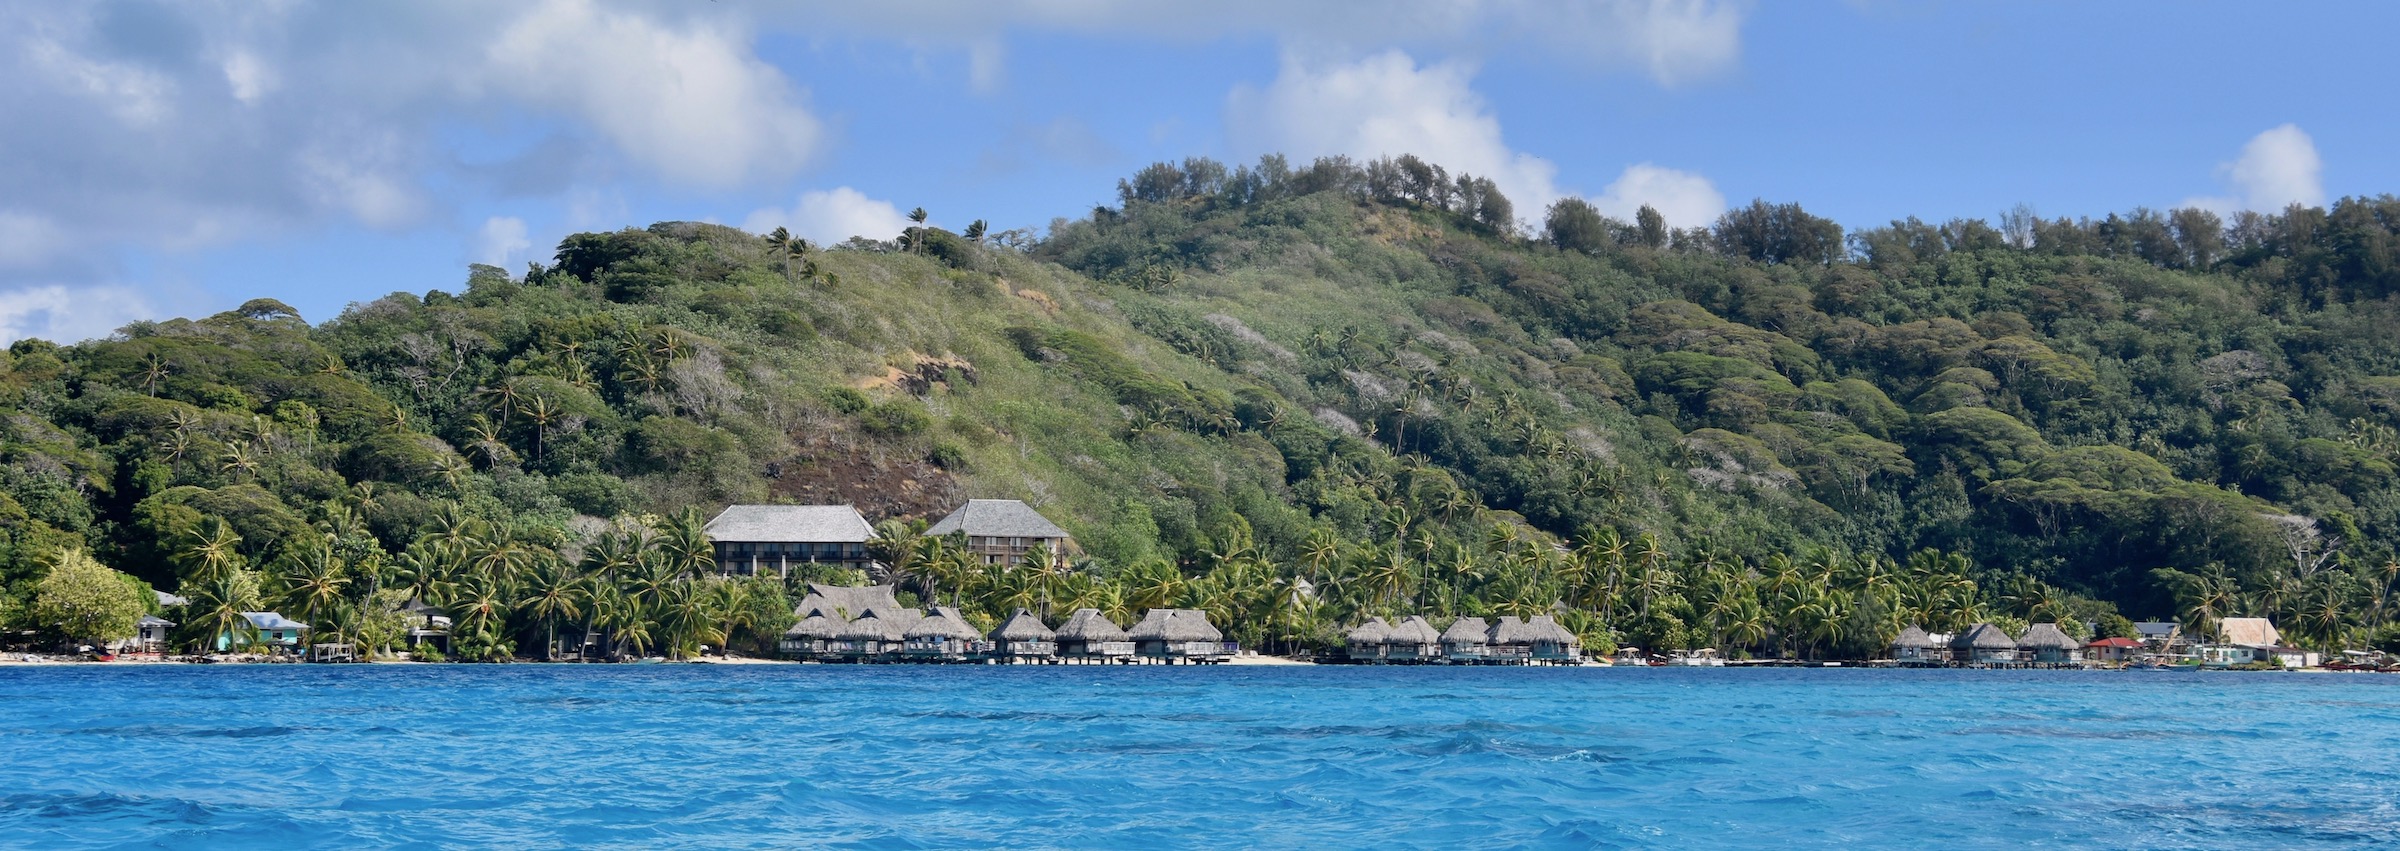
(284, 757)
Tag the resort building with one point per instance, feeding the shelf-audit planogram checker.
(1173, 635)
(1916, 648)
(2046, 644)
(1023, 638)
(1364, 642)
(1412, 640)
(1002, 531)
(1552, 642)
(1087, 636)
(818, 635)
(1467, 640)
(775, 538)
(875, 635)
(1510, 639)
(1983, 644)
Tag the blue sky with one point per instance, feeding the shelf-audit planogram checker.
(170, 159)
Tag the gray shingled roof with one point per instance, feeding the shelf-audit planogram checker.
(1467, 631)
(1005, 518)
(847, 601)
(154, 620)
(2047, 636)
(1414, 630)
(166, 600)
(271, 620)
(1023, 626)
(790, 524)
(1984, 636)
(1175, 625)
(1089, 625)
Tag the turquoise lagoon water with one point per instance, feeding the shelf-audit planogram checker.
(283, 757)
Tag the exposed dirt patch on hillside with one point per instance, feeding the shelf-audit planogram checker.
(882, 482)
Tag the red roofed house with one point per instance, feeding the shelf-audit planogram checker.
(2112, 650)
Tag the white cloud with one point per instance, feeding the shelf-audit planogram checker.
(1683, 198)
(2278, 168)
(136, 95)
(690, 101)
(248, 76)
(63, 314)
(1386, 105)
(828, 217)
(501, 241)
(27, 239)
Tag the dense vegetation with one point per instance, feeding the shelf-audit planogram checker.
(1290, 396)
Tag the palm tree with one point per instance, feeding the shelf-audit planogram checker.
(554, 592)
(238, 461)
(154, 371)
(214, 553)
(542, 412)
(314, 585)
(976, 231)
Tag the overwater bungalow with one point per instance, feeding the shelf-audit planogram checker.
(1511, 640)
(2046, 644)
(1984, 644)
(940, 636)
(1553, 643)
(1088, 636)
(847, 602)
(1467, 641)
(1177, 635)
(1412, 640)
(1916, 648)
(877, 635)
(816, 636)
(1023, 638)
(1364, 642)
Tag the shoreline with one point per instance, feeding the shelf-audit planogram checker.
(19, 660)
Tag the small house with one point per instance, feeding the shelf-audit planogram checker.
(427, 625)
(1510, 639)
(2289, 657)
(1984, 644)
(1467, 640)
(269, 632)
(940, 636)
(2164, 637)
(1002, 531)
(1364, 642)
(150, 636)
(1177, 635)
(877, 635)
(1023, 637)
(775, 538)
(1088, 636)
(2046, 644)
(1915, 647)
(1412, 640)
(1553, 642)
(2248, 632)
(2113, 650)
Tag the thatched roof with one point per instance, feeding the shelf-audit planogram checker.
(1467, 631)
(1984, 636)
(1174, 625)
(944, 622)
(1089, 625)
(848, 601)
(2046, 636)
(876, 626)
(1511, 630)
(1374, 631)
(1550, 630)
(1022, 626)
(818, 625)
(1915, 638)
(2251, 632)
(1414, 631)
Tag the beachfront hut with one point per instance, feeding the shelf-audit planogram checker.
(1088, 636)
(150, 636)
(1468, 640)
(1510, 640)
(1412, 640)
(1983, 644)
(1915, 647)
(1175, 635)
(1365, 641)
(1552, 642)
(819, 635)
(2046, 644)
(940, 636)
(1023, 637)
(877, 635)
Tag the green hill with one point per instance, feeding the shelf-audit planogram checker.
(1290, 397)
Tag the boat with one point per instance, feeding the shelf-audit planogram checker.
(1705, 657)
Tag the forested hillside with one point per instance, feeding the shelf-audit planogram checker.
(1291, 397)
